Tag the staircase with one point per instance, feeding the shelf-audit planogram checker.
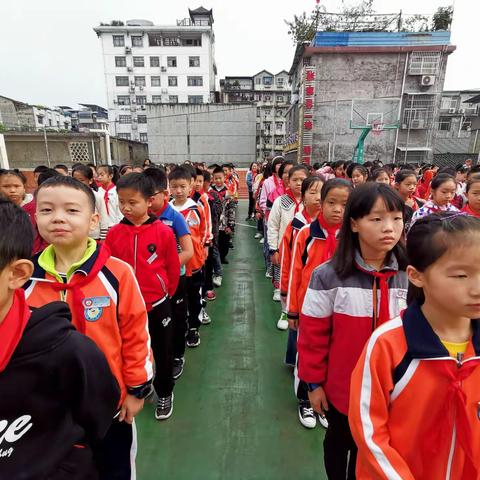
(242, 188)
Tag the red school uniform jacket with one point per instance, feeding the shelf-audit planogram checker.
(151, 250)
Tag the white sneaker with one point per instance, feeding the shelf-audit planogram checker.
(323, 421)
(282, 323)
(258, 235)
(268, 274)
(205, 317)
(262, 241)
(217, 280)
(306, 415)
(276, 295)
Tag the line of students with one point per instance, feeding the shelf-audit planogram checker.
(137, 295)
(364, 364)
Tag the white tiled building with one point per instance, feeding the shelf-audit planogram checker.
(147, 63)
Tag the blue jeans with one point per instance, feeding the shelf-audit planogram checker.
(266, 252)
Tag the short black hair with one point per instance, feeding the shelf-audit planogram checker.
(329, 185)
(440, 179)
(284, 164)
(190, 168)
(61, 166)
(401, 175)
(15, 172)
(298, 168)
(16, 241)
(360, 203)
(158, 177)
(199, 173)
(69, 182)
(139, 182)
(40, 169)
(218, 170)
(84, 170)
(48, 173)
(206, 176)
(180, 173)
(311, 180)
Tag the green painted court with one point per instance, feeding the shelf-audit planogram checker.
(235, 412)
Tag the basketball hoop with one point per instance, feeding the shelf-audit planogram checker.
(377, 128)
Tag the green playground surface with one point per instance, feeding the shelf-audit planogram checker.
(235, 412)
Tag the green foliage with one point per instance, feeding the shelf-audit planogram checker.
(442, 19)
(3, 128)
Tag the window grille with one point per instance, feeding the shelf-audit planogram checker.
(424, 63)
(418, 111)
(79, 152)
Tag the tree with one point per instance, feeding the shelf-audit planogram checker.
(442, 19)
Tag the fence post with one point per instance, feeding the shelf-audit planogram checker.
(3, 153)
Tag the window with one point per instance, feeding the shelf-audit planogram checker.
(280, 98)
(143, 137)
(40, 119)
(192, 42)
(267, 80)
(279, 125)
(267, 126)
(467, 125)
(142, 119)
(445, 123)
(154, 61)
(156, 99)
(194, 61)
(121, 81)
(195, 81)
(118, 41)
(268, 112)
(124, 136)
(172, 62)
(123, 100)
(172, 81)
(258, 81)
(171, 42)
(279, 141)
(138, 62)
(449, 103)
(120, 61)
(424, 63)
(154, 39)
(141, 99)
(258, 97)
(124, 119)
(267, 98)
(280, 81)
(155, 81)
(173, 99)
(418, 111)
(195, 99)
(140, 81)
(137, 41)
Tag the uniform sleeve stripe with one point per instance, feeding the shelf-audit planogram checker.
(403, 382)
(365, 397)
(318, 303)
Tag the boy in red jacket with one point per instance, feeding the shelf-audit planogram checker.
(150, 248)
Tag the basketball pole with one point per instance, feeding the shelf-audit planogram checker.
(359, 148)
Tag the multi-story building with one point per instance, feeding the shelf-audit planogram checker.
(271, 94)
(348, 79)
(89, 118)
(147, 63)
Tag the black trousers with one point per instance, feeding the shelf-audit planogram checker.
(223, 244)
(340, 451)
(116, 454)
(160, 325)
(180, 317)
(251, 204)
(77, 465)
(194, 299)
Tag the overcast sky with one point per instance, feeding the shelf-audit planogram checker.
(50, 55)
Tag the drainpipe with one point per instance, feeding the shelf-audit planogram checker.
(400, 108)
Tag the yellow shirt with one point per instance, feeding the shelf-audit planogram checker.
(455, 348)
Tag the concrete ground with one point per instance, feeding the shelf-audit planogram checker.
(235, 411)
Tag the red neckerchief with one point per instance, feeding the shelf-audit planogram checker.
(77, 281)
(297, 203)
(331, 240)
(105, 195)
(276, 180)
(469, 211)
(415, 205)
(12, 327)
(165, 205)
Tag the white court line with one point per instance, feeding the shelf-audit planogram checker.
(245, 225)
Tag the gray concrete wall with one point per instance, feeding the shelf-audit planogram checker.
(202, 133)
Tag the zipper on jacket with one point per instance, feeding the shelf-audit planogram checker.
(135, 253)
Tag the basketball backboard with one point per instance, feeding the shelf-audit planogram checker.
(383, 113)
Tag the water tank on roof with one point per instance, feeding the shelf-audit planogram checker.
(139, 23)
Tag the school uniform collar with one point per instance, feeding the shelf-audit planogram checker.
(391, 265)
(422, 341)
(316, 230)
(151, 219)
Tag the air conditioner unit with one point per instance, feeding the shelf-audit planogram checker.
(427, 80)
(461, 110)
(142, 107)
(131, 89)
(140, 87)
(129, 69)
(164, 90)
(451, 110)
(128, 50)
(163, 69)
(132, 83)
(115, 102)
(133, 108)
(134, 126)
(417, 124)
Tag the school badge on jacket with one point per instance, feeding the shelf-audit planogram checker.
(93, 307)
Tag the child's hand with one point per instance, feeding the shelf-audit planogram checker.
(228, 230)
(130, 408)
(318, 400)
(292, 324)
(276, 258)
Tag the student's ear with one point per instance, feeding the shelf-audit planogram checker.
(94, 221)
(353, 225)
(415, 277)
(20, 272)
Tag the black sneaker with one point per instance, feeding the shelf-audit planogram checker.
(193, 338)
(164, 408)
(178, 364)
(306, 415)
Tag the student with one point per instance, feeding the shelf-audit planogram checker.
(423, 187)
(180, 179)
(106, 187)
(84, 174)
(149, 247)
(443, 188)
(406, 185)
(473, 196)
(227, 217)
(283, 210)
(250, 179)
(38, 170)
(61, 169)
(58, 394)
(175, 220)
(314, 244)
(339, 169)
(13, 187)
(381, 175)
(364, 286)
(359, 175)
(106, 305)
(415, 390)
